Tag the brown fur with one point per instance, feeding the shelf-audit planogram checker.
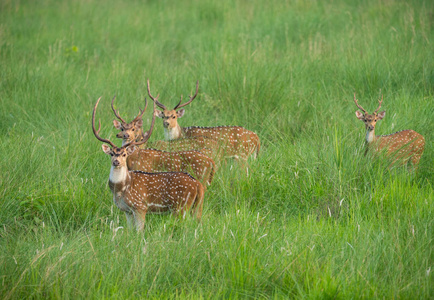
(196, 163)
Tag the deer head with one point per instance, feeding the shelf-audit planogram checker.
(119, 155)
(129, 131)
(170, 116)
(370, 120)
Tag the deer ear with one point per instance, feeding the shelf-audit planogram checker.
(359, 115)
(158, 113)
(106, 149)
(180, 113)
(381, 115)
(139, 123)
(117, 124)
(131, 149)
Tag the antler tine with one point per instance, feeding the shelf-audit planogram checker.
(146, 135)
(191, 98)
(96, 132)
(380, 101)
(155, 99)
(142, 111)
(358, 105)
(180, 100)
(116, 112)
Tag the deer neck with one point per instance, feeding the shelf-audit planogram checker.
(119, 178)
(173, 133)
(119, 182)
(370, 136)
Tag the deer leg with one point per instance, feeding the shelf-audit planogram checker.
(130, 219)
(185, 205)
(139, 217)
(198, 203)
(242, 161)
(415, 161)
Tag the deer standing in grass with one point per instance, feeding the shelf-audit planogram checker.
(132, 131)
(403, 145)
(137, 193)
(235, 141)
(196, 163)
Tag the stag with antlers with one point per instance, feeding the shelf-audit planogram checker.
(235, 141)
(137, 193)
(133, 131)
(402, 146)
(196, 163)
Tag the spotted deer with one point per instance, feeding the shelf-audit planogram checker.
(236, 141)
(196, 163)
(402, 146)
(129, 131)
(137, 193)
(199, 165)
(133, 131)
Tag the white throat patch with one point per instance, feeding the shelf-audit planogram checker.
(370, 136)
(118, 174)
(172, 134)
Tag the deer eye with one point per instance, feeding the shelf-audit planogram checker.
(173, 117)
(111, 154)
(133, 129)
(124, 155)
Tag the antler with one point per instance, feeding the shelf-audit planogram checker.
(191, 98)
(96, 132)
(355, 101)
(379, 106)
(146, 135)
(116, 112)
(141, 111)
(155, 99)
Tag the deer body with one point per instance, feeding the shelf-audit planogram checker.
(137, 192)
(193, 162)
(404, 146)
(207, 146)
(236, 141)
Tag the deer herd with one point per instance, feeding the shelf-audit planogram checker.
(172, 175)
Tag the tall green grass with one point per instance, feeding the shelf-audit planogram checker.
(315, 218)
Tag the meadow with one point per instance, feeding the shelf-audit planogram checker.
(314, 219)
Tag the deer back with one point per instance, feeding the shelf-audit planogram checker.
(153, 160)
(193, 162)
(234, 140)
(207, 146)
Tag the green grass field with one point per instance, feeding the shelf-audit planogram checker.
(314, 219)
